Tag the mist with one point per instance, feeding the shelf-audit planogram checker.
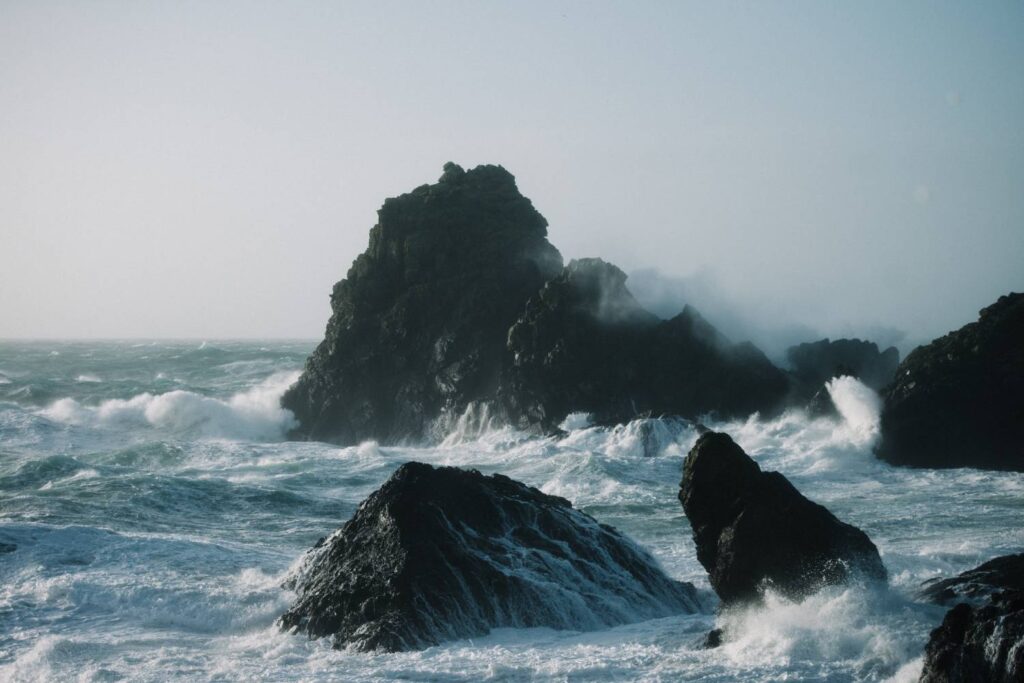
(793, 171)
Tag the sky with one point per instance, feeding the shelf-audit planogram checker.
(209, 170)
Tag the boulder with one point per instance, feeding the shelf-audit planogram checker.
(754, 530)
(959, 401)
(420, 324)
(439, 554)
(584, 344)
(980, 640)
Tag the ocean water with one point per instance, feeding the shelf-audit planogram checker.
(150, 509)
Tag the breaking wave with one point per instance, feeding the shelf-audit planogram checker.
(255, 414)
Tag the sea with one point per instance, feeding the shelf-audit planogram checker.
(151, 508)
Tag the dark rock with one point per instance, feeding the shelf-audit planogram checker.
(7, 548)
(420, 324)
(754, 530)
(584, 344)
(713, 639)
(1001, 574)
(981, 640)
(438, 554)
(959, 401)
(814, 363)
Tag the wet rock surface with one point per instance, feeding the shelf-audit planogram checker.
(959, 401)
(982, 639)
(754, 530)
(439, 554)
(585, 344)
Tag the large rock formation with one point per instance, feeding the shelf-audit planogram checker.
(439, 554)
(981, 640)
(754, 530)
(420, 324)
(959, 401)
(584, 344)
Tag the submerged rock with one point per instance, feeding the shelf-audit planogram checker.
(959, 401)
(420, 324)
(983, 639)
(439, 554)
(754, 530)
(584, 344)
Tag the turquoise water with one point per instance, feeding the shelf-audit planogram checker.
(150, 509)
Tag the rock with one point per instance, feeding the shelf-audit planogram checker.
(754, 530)
(815, 363)
(959, 401)
(584, 344)
(439, 554)
(978, 644)
(1001, 574)
(983, 639)
(420, 324)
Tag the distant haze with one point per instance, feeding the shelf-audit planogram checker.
(188, 169)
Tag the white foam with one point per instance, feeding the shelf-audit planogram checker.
(255, 414)
(860, 408)
(88, 378)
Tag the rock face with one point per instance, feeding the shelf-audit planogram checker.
(981, 640)
(959, 401)
(420, 324)
(584, 344)
(754, 529)
(438, 554)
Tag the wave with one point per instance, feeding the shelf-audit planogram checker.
(254, 415)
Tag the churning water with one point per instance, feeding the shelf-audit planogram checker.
(150, 509)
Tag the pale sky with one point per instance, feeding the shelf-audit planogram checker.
(210, 169)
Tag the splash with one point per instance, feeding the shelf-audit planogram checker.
(860, 408)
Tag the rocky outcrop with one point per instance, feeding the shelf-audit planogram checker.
(1001, 574)
(981, 640)
(812, 364)
(420, 324)
(584, 344)
(438, 554)
(754, 530)
(959, 401)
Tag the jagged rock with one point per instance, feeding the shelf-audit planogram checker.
(981, 640)
(1001, 574)
(420, 324)
(584, 344)
(753, 529)
(439, 554)
(959, 401)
